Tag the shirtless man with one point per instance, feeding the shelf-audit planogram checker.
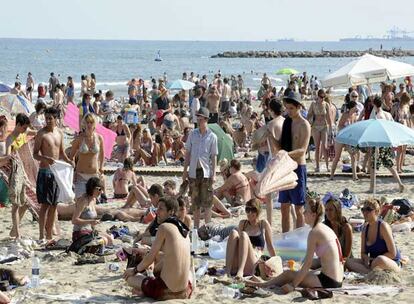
(225, 97)
(48, 147)
(17, 90)
(172, 269)
(213, 100)
(296, 144)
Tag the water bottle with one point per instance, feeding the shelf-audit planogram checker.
(202, 269)
(231, 293)
(194, 241)
(35, 281)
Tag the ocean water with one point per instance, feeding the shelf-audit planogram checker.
(115, 62)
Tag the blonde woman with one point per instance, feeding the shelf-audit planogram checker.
(88, 150)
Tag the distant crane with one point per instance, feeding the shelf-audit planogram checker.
(397, 33)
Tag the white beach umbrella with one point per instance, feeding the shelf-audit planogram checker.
(368, 69)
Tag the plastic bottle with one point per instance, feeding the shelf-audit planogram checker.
(231, 293)
(35, 280)
(202, 269)
(194, 241)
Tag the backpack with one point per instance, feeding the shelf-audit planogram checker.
(404, 204)
(80, 245)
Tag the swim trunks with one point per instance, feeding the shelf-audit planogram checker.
(328, 282)
(47, 190)
(154, 287)
(296, 195)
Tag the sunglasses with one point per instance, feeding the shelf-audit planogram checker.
(354, 96)
(250, 209)
(367, 209)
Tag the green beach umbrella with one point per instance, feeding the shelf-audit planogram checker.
(287, 71)
(224, 142)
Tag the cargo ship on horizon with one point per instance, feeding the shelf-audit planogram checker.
(394, 34)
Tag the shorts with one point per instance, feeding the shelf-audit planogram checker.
(327, 282)
(154, 287)
(225, 105)
(132, 101)
(122, 149)
(296, 195)
(213, 118)
(262, 161)
(124, 195)
(77, 234)
(80, 183)
(201, 190)
(47, 190)
(385, 157)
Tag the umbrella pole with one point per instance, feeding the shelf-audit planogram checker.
(375, 169)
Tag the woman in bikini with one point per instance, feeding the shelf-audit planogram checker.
(323, 242)
(347, 118)
(246, 244)
(123, 179)
(378, 249)
(123, 138)
(85, 217)
(88, 150)
(148, 150)
(320, 119)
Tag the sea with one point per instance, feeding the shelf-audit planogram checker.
(114, 62)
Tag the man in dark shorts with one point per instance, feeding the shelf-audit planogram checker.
(48, 148)
(200, 159)
(172, 279)
(295, 140)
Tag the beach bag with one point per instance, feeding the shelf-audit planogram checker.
(80, 245)
(404, 204)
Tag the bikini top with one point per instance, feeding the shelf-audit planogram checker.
(84, 148)
(122, 133)
(233, 190)
(257, 241)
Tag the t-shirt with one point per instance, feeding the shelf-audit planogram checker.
(162, 103)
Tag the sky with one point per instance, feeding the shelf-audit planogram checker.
(213, 20)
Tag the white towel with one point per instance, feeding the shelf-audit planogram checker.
(63, 173)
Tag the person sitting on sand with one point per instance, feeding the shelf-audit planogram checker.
(177, 148)
(236, 188)
(322, 241)
(246, 244)
(172, 278)
(85, 217)
(381, 252)
(240, 137)
(182, 212)
(341, 227)
(148, 150)
(170, 188)
(124, 179)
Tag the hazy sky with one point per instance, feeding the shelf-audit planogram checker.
(203, 20)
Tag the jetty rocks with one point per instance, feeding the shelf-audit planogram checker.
(309, 54)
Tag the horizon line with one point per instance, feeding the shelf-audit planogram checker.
(163, 40)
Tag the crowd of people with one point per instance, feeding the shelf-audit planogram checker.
(174, 131)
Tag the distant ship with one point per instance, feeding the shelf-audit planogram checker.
(286, 40)
(394, 34)
(158, 57)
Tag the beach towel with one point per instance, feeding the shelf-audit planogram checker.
(63, 173)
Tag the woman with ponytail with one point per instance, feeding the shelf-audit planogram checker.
(322, 241)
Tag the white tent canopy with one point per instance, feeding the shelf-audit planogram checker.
(368, 69)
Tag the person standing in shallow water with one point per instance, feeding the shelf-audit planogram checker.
(47, 149)
(295, 140)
